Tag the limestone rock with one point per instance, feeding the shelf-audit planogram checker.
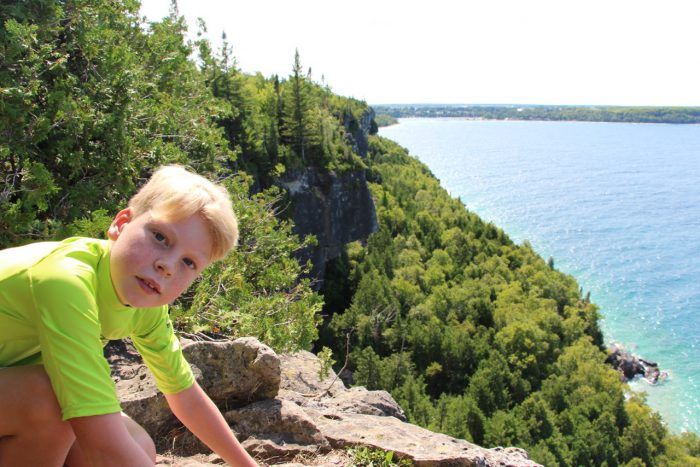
(359, 400)
(301, 374)
(624, 362)
(276, 419)
(141, 400)
(358, 131)
(301, 383)
(283, 411)
(358, 417)
(337, 208)
(275, 452)
(198, 460)
(237, 372)
(233, 373)
(407, 441)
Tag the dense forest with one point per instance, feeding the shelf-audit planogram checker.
(547, 112)
(474, 335)
(478, 337)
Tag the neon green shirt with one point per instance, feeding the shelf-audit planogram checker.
(58, 307)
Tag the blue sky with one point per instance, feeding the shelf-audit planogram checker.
(593, 52)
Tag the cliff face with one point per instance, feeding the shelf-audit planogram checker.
(358, 131)
(337, 208)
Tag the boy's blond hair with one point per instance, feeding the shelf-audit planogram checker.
(174, 193)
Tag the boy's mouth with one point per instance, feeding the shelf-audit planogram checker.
(148, 285)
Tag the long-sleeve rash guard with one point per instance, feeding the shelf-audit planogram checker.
(58, 307)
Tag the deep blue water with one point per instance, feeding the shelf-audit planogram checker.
(616, 205)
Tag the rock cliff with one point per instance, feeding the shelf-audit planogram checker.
(358, 131)
(285, 414)
(337, 208)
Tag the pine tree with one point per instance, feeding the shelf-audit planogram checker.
(297, 104)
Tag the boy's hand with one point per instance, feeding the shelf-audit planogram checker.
(201, 416)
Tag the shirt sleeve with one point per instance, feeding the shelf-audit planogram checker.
(160, 348)
(68, 326)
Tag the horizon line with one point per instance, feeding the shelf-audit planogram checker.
(451, 104)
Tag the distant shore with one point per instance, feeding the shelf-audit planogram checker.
(387, 114)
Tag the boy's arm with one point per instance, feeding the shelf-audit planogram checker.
(105, 441)
(199, 414)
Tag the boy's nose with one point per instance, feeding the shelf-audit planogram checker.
(163, 267)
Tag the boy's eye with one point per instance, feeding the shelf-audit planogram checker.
(189, 263)
(159, 237)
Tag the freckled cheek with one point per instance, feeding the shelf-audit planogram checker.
(138, 256)
(131, 258)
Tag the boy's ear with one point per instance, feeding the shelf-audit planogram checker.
(122, 218)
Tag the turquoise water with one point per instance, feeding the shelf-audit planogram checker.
(616, 205)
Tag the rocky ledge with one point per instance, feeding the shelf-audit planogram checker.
(285, 414)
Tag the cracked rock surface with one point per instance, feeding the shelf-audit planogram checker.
(285, 414)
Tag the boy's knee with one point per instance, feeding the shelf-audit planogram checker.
(42, 406)
(32, 409)
(43, 414)
(43, 422)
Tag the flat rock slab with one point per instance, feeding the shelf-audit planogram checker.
(285, 413)
(233, 374)
(423, 447)
(301, 373)
(199, 460)
(331, 459)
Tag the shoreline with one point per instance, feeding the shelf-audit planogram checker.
(677, 401)
(530, 112)
(485, 119)
(632, 366)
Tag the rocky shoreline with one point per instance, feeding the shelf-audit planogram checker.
(631, 366)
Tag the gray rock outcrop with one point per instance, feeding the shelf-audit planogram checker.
(358, 131)
(337, 208)
(630, 366)
(232, 373)
(283, 412)
(625, 363)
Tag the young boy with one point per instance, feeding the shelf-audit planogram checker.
(59, 303)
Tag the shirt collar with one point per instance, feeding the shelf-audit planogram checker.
(107, 298)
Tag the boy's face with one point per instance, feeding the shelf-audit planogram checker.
(153, 261)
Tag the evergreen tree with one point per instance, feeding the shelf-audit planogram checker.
(297, 107)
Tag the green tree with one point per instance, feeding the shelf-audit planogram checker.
(643, 437)
(256, 290)
(296, 111)
(463, 418)
(90, 103)
(413, 399)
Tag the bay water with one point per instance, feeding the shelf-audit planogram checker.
(616, 205)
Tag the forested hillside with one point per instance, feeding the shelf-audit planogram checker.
(474, 336)
(478, 337)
